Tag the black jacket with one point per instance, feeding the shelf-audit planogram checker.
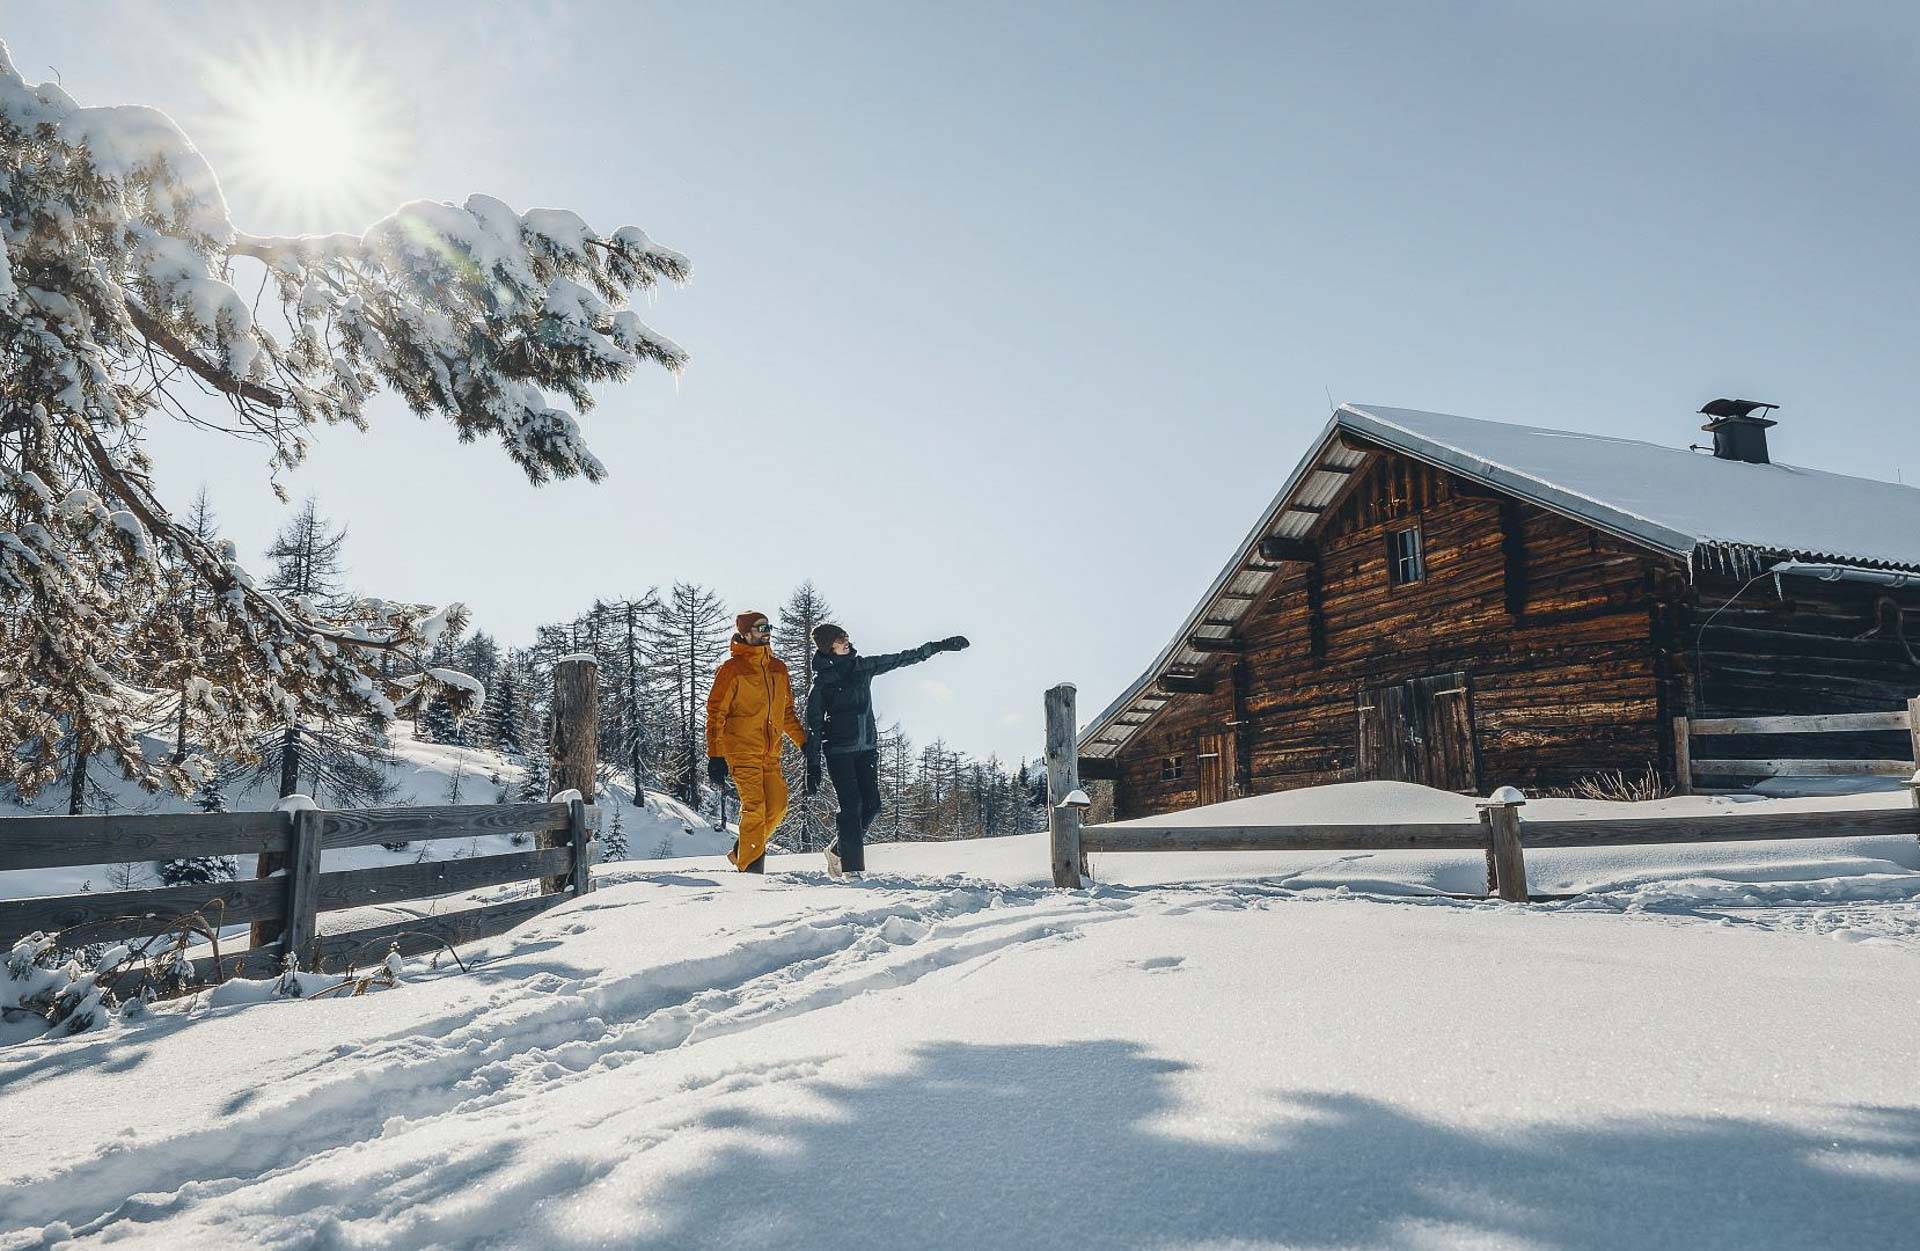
(840, 705)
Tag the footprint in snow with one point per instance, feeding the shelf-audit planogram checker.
(1159, 964)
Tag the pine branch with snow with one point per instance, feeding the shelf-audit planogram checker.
(120, 304)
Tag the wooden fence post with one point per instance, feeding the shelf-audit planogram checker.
(580, 847)
(576, 742)
(266, 864)
(1501, 813)
(1063, 778)
(303, 888)
(1913, 729)
(1682, 756)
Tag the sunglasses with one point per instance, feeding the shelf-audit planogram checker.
(762, 628)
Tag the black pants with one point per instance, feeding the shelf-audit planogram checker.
(856, 783)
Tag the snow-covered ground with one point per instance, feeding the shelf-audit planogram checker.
(1713, 1047)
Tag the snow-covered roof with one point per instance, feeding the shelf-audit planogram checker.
(1726, 514)
(1665, 497)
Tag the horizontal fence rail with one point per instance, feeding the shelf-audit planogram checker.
(1503, 836)
(287, 904)
(1691, 769)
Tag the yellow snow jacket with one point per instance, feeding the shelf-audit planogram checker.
(750, 706)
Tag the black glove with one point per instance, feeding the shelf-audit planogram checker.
(957, 643)
(813, 777)
(717, 770)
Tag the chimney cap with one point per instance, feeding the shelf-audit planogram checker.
(1736, 411)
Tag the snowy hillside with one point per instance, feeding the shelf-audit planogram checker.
(1223, 1050)
(421, 773)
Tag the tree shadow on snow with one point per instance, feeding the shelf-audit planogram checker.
(1068, 1145)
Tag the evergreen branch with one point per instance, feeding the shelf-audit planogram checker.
(212, 375)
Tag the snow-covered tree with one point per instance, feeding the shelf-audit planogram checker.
(613, 840)
(201, 870)
(121, 278)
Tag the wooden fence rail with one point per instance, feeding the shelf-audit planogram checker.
(1503, 835)
(287, 905)
(1690, 769)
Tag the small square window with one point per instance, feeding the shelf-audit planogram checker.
(1171, 767)
(1405, 560)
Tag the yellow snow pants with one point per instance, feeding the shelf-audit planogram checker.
(763, 805)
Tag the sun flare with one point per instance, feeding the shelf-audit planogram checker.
(304, 141)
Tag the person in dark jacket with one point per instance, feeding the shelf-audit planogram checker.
(840, 725)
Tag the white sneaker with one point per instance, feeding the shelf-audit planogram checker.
(833, 859)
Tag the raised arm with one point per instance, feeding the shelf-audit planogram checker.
(873, 666)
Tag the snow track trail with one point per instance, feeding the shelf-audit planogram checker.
(547, 1031)
(683, 1060)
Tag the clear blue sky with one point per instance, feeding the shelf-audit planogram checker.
(1008, 320)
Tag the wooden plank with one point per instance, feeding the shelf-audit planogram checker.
(1913, 732)
(1682, 756)
(1839, 721)
(354, 888)
(1732, 828)
(54, 842)
(1509, 859)
(363, 827)
(1063, 778)
(1180, 684)
(303, 881)
(129, 914)
(579, 848)
(1454, 836)
(422, 934)
(1802, 768)
(1204, 643)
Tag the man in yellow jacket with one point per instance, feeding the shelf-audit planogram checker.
(748, 709)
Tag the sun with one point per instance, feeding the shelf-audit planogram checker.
(303, 140)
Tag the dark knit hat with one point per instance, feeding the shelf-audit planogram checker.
(825, 636)
(745, 620)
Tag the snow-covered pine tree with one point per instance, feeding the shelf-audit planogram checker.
(535, 787)
(201, 870)
(613, 840)
(506, 707)
(809, 822)
(121, 275)
(686, 644)
(333, 752)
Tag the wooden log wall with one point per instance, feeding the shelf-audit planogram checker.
(1567, 636)
(1802, 647)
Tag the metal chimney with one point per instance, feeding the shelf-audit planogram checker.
(1737, 433)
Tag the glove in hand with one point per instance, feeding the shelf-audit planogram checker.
(717, 770)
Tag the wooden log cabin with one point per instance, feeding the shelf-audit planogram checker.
(1467, 604)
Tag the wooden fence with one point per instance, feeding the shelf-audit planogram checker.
(1501, 834)
(286, 906)
(1690, 769)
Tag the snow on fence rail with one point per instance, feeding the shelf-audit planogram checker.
(283, 909)
(1501, 834)
(1690, 769)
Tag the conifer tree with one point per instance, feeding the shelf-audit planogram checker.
(686, 644)
(201, 870)
(121, 305)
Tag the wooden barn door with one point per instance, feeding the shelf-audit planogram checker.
(1419, 731)
(1215, 753)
